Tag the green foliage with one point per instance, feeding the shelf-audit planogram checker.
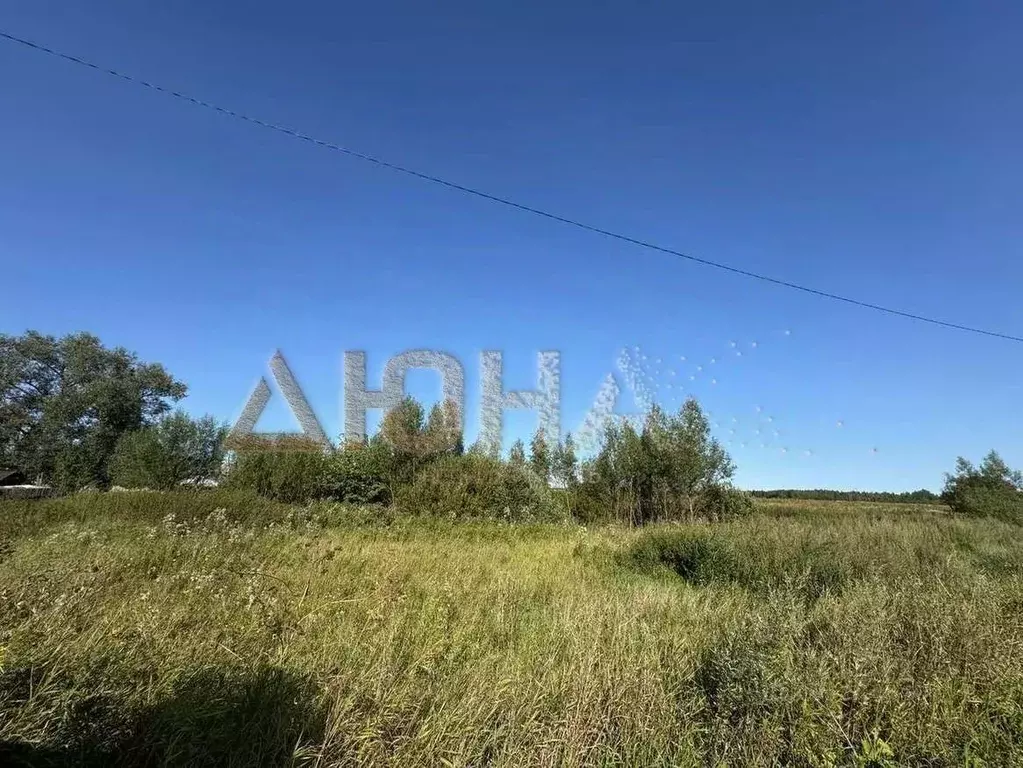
(697, 557)
(443, 431)
(220, 628)
(413, 443)
(540, 454)
(479, 448)
(804, 555)
(564, 464)
(874, 752)
(357, 474)
(402, 431)
(476, 486)
(992, 490)
(289, 469)
(142, 460)
(76, 467)
(670, 470)
(64, 404)
(174, 450)
(723, 502)
(517, 454)
(294, 470)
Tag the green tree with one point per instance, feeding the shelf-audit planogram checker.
(564, 464)
(357, 473)
(414, 442)
(443, 433)
(478, 486)
(287, 468)
(478, 448)
(64, 404)
(174, 450)
(517, 454)
(402, 426)
(619, 478)
(540, 455)
(992, 490)
(688, 459)
(670, 469)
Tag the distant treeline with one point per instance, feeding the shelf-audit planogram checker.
(819, 494)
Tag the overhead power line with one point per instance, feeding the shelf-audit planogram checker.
(497, 199)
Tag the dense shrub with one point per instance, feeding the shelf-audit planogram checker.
(992, 490)
(671, 469)
(999, 503)
(357, 474)
(760, 559)
(697, 557)
(76, 468)
(410, 441)
(293, 469)
(593, 501)
(478, 486)
(175, 449)
(723, 502)
(289, 469)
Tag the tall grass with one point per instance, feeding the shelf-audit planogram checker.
(193, 629)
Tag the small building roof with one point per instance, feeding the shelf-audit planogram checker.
(11, 476)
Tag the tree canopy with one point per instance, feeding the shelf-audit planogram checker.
(670, 469)
(991, 490)
(174, 450)
(65, 402)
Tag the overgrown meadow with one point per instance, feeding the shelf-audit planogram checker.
(219, 628)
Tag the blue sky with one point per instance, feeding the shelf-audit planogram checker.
(870, 149)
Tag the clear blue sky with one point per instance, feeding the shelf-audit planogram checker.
(871, 149)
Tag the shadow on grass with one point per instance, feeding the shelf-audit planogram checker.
(263, 718)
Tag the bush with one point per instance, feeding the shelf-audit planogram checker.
(75, 468)
(162, 456)
(741, 554)
(992, 490)
(723, 502)
(670, 469)
(288, 469)
(294, 470)
(357, 474)
(478, 486)
(409, 442)
(999, 503)
(593, 502)
(698, 558)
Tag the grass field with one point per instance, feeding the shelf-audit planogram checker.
(218, 629)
